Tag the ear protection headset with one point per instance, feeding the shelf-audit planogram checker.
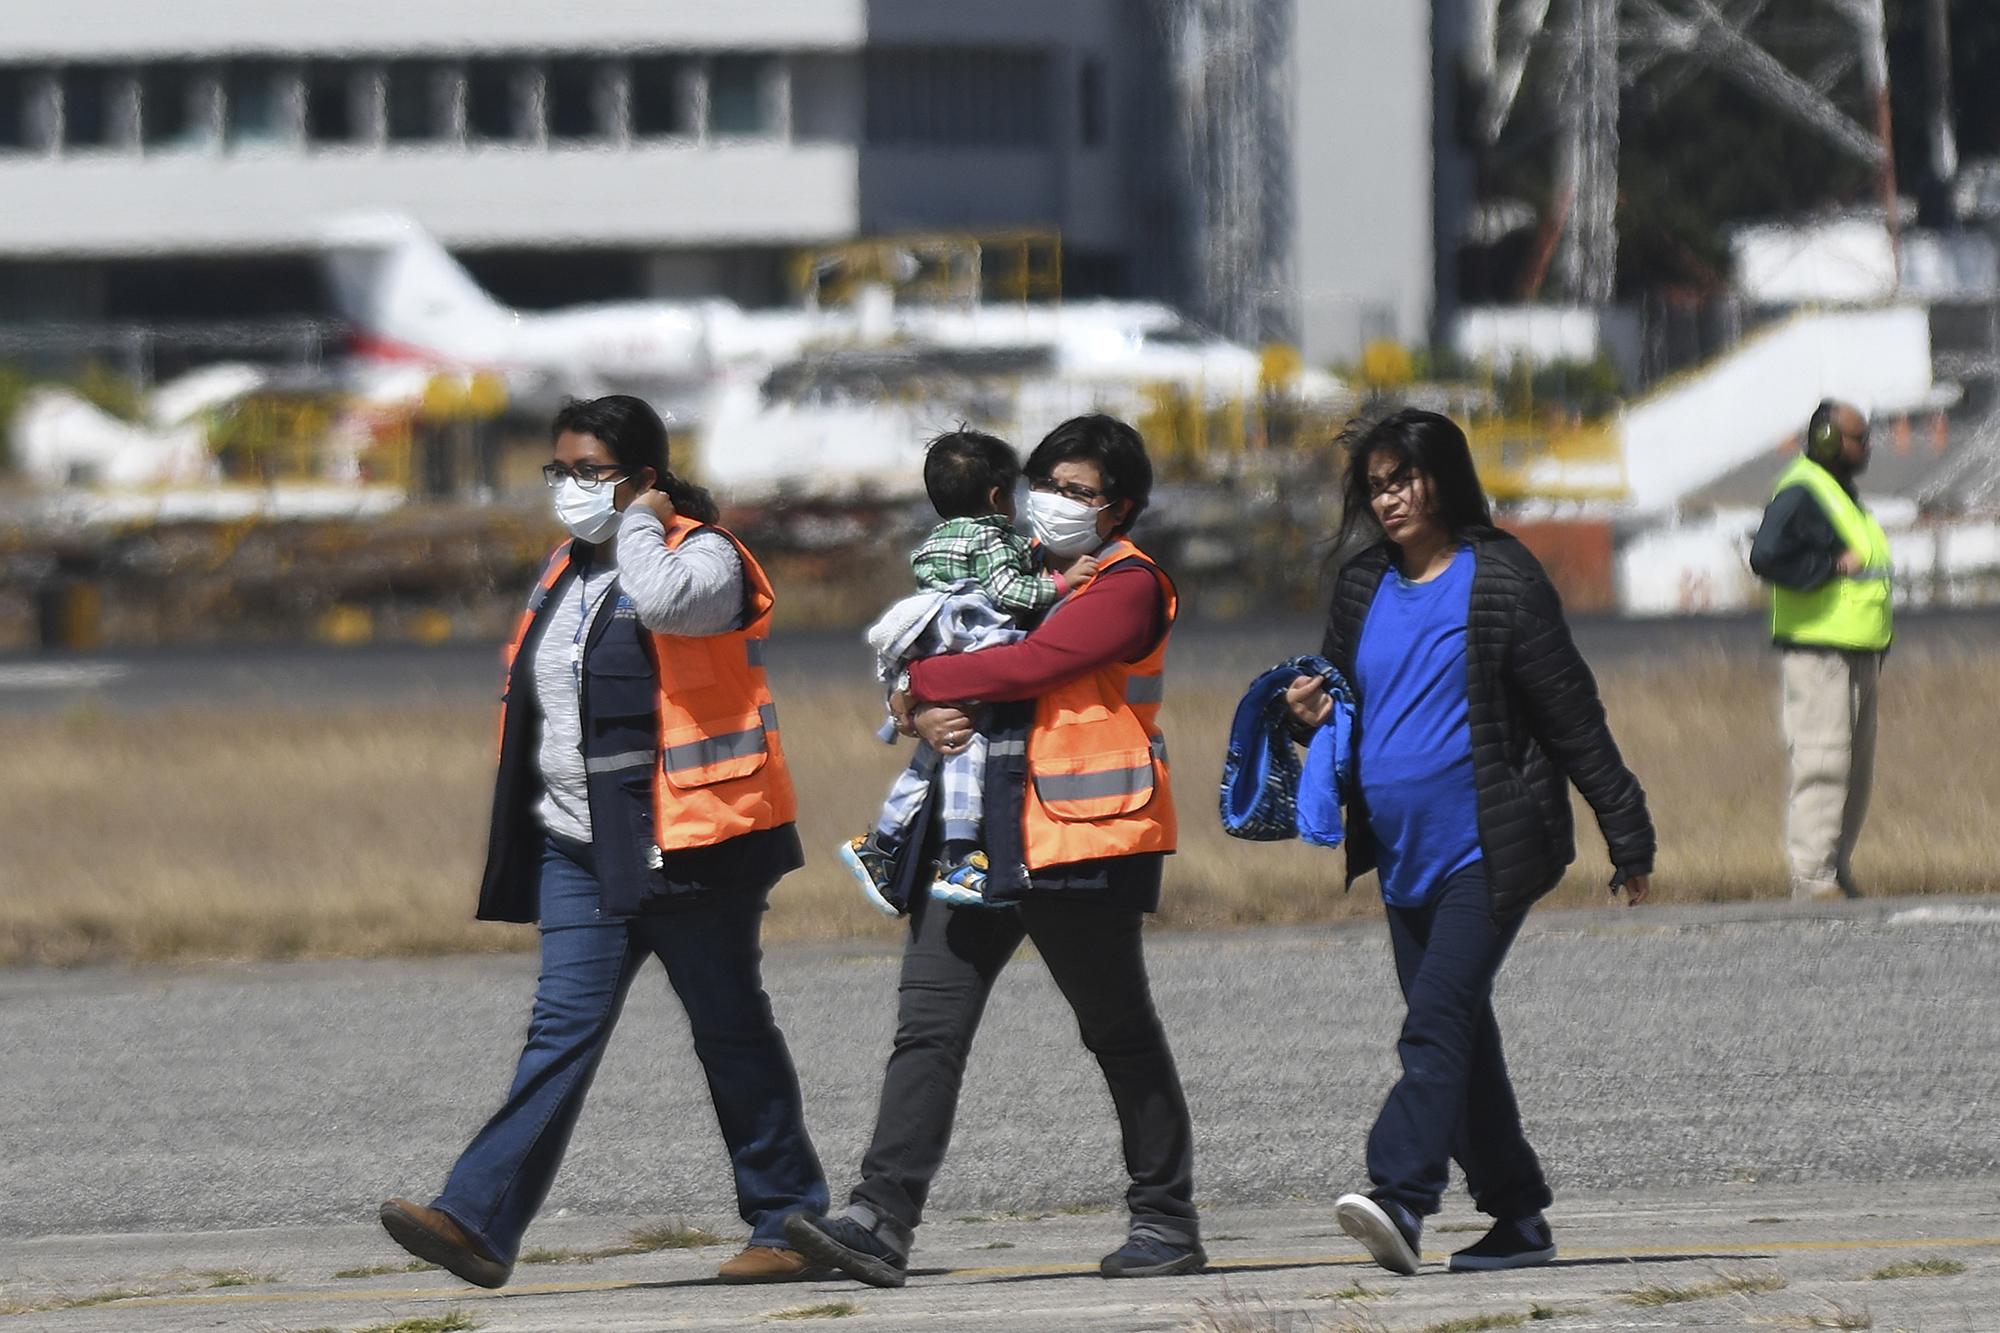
(1823, 435)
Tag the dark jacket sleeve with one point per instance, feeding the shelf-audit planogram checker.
(1567, 719)
(1796, 545)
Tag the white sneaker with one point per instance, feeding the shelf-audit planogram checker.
(1369, 1222)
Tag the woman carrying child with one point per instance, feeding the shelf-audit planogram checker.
(979, 578)
(1081, 819)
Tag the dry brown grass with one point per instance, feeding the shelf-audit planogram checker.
(268, 835)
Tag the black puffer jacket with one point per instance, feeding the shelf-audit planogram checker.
(1535, 719)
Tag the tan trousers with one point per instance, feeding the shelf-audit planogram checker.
(1829, 717)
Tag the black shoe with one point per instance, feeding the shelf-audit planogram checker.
(843, 1243)
(1386, 1229)
(1518, 1243)
(1147, 1255)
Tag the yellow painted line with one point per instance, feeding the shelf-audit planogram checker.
(238, 1296)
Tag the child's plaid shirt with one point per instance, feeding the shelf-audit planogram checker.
(987, 550)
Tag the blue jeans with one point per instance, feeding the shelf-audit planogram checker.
(1454, 1101)
(712, 956)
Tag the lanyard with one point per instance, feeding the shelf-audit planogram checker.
(584, 616)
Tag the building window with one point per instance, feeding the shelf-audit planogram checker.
(87, 113)
(330, 105)
(739, 100)
(492, 109)
(15, 89)
(413, 102)
(571, 95)
(170, 110)
(661, 106)
(957, 96)
(1090, 117)
(254, 114)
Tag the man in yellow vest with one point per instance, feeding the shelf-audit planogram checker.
(1827, 562)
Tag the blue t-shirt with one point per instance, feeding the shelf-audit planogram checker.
(1416, 735)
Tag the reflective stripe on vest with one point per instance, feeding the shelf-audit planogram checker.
(680, 760)
(1099, 781)
(1849, 613)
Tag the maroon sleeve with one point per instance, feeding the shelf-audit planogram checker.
(1119, 621)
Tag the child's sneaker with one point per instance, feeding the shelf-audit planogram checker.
(963, 883)
(873, 866)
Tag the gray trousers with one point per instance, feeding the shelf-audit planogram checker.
(1829, 718)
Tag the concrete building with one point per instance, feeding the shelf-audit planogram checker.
(173, 161)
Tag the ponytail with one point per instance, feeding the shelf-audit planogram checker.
(689, 499)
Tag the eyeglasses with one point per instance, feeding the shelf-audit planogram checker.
(1068, 490)
(1398, 482)
(587, 475)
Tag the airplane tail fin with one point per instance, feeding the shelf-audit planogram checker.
(399, 287)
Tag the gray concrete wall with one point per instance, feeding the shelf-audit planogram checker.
(1363, 162)
(78, 29)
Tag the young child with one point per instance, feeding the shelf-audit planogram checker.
(979, 578)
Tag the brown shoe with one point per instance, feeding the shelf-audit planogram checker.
(769, 1263)
(436, 1239)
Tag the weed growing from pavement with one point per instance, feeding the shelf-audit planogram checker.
(995, 1245)
(1918, 1268)
(1728, 1284)
(1353, 1291)
(1477, 1323)
(451, 1321)
(1252, 1314)
(90, 1298)
(383, 1270)
(1447, 1228)
(546, 1255)
(669, 1236)
(824, 1310)
(1835, 1315)
(236, 1277)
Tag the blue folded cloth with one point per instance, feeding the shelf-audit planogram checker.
(1267, 795)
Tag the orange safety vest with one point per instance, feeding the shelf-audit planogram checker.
(1098, 781)
(719, 766)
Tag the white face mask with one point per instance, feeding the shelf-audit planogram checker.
(588, 514)
(1063, 526)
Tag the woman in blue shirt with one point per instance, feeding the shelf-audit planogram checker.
(1474, 709)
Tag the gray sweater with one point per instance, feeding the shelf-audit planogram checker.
(695, 590)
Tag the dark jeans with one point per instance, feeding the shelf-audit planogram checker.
(1453, 1100)
(712, 956)
(1093, 952)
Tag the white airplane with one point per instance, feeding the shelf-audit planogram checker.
(411, 303)
(785, 402)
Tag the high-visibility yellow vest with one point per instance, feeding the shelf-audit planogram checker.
(1847, 613)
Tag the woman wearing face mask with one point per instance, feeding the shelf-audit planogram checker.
(1475, 712)
(643, 808)
(1076, 753)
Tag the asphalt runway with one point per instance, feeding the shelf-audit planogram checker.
(1725, 1097)
(312, 675)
